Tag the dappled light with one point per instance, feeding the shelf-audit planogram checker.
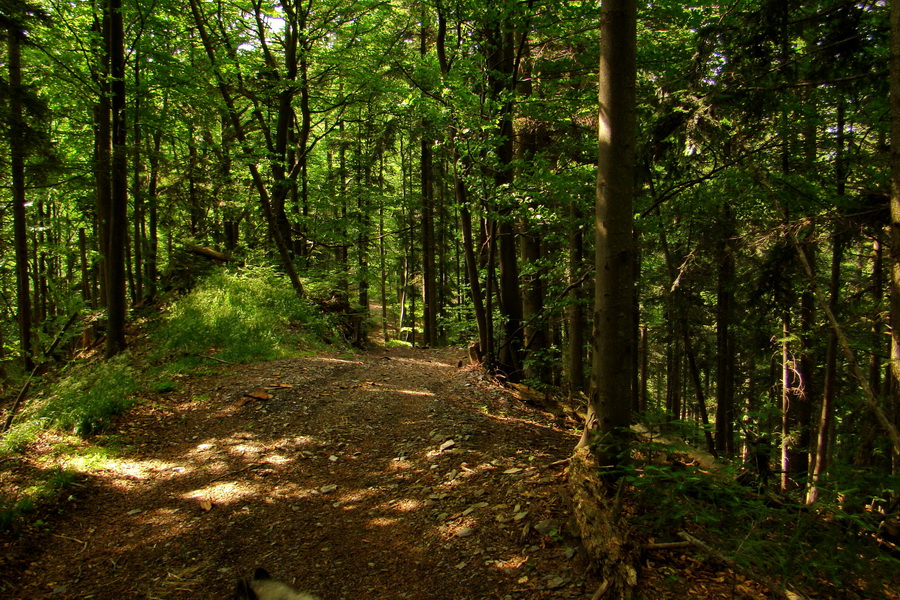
(334, 458)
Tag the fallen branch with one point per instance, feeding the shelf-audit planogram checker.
(748, 573)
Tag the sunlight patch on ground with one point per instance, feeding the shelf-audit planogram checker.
(510, 564)
(405, 504)
(456, 529)
(408, 392)
(276, 459)
(224, 492)
(425, 363)
(337, 360)
(117, 467)
(384, 521)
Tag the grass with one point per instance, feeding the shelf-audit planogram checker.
(48, 487)
(241, 317)
(248, 315)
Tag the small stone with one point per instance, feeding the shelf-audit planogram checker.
(465, 532)
(556, 582)
(546, 526)
(326, 489)
(447, 445)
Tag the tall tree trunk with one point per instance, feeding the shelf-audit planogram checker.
(575, 309)
(17, 166)
(137, 194)
(829, 394)
(895, 212)
(725, 416)
(429, 281)
(609, 410)
(500, 60)
(265, 198)
(153, 217)
(118, 215)
(103, 150)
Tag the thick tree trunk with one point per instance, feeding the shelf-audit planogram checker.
(17, 166)
(597, 512)
(118, 214)
(609, 411)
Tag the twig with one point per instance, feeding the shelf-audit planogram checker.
(773, 587)
(667, 546)
(215, 359)
(601, 591)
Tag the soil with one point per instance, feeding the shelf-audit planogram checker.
(395, 473)
(392, 473)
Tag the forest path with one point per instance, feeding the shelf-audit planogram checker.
(344, 481)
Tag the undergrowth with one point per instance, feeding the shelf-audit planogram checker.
(249, 315)
(48, 487)
(824, 548)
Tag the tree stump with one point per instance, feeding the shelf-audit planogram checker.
(596, 509)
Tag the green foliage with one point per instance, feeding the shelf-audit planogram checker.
(826, 549)
(48, 487)
(86, 401)
(249, 315)
(21, 435)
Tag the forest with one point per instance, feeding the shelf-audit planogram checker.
(722, 268)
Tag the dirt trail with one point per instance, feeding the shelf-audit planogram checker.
(391, 474)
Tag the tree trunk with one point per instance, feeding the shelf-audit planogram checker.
(609, 410)
(17, 165)
(137, 193)
(895, 211)
(118, 214)
(429, 305)
(575, 309)
(725, 340)
(265, 198)
(500, 58)
(826, 417)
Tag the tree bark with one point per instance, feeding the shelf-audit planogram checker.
(575, 309)
(118, 214)
(17, 166)
(500, 56)
(609, 410)
(725, 340)
(895, 211)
